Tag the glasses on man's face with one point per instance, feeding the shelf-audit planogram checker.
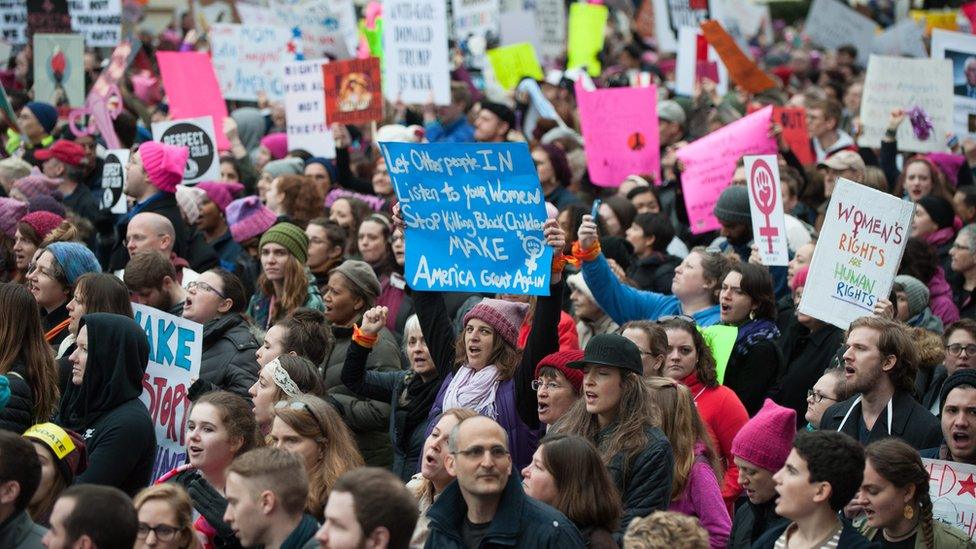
(477, 452)
(956, 349)
(549, 385)
(817, 396)
(164, 532)
(204, 287)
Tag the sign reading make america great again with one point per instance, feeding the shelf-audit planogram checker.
(474, 214)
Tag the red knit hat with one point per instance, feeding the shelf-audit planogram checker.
(558, 360)
(42, 222)
(164, 164)
(767, 438)
(505, 317)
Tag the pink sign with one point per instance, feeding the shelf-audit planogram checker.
(620, 132)
(192, 89)
(710, 161)
(104, 102)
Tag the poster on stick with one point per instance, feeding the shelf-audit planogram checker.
(175, 355)
(113, 181)
(628, 146)
(307, 125)
(100, 21)
(696, 59)
(960, 50)
(858, 253)
(248, 60)
(766, 207)
(196, 134)
(902, 83)
(832, 23)
(59, 69)
(192, 89)
(474, 214)
(710, 162)
(416, 68)
(952, 489)
(353, 91)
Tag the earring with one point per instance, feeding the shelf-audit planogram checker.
(752, 314)
(909, 512)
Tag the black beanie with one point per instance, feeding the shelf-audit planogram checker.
(965, 376)
(939, 209)
(501, 111)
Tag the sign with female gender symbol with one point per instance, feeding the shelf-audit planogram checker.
(766, 205)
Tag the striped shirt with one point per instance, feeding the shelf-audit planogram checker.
(830, 543)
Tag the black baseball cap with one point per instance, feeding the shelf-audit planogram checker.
(611, 350)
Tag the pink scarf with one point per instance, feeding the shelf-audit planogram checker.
(474, 390)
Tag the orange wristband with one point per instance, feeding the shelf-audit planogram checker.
(364, 339)
(588, 254)
(560, 261)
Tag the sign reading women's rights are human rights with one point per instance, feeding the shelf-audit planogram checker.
(474, 214)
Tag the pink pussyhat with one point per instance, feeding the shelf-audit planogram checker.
(164, 164)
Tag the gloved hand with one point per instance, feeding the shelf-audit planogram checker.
(211, 505)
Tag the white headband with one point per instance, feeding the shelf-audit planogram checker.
(283, 380)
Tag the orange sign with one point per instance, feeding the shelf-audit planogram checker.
(743, 70)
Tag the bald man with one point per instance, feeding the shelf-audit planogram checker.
(486, 505)
(153, 232)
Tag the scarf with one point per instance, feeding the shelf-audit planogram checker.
(473, 389)
(417, 398)
(753, 332)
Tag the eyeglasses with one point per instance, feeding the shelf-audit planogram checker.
(817, 396)
(164, 532)
(197, 285)
(477, 452)
(549, 385)
(684, 318)
(956, 349)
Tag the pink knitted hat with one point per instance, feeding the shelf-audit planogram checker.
(249, 218)
(277, 144)
(11, 210)
(221, 194)
(164, 164)
(36, 184)
(505, 317)
(42, 222)
(767, 438)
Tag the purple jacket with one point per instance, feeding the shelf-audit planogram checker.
(702, 498)
(940, 298)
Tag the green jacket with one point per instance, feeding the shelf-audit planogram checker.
(945, 535)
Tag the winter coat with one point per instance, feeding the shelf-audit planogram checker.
(260, 306)
(751, 521)
(624, 303)
(655, 272)
(228, 354)
(909, 422)
(18, 415)
(943, 535)
(369, 419)
(519, 521)
(105, 408)
(849, 538)
(20, 532)
(644, 480)
(807, 354)
(940, 298)
(927, 321)
(702, 499)
(932, 393)
(754, 365)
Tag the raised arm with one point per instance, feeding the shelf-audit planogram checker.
(371, 384)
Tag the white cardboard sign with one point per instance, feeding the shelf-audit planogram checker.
(415, 58)
(766, 207)
(197, 134)
(305, 109)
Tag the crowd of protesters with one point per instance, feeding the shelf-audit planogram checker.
(337, 406)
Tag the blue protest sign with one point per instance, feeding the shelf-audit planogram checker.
(474, 214)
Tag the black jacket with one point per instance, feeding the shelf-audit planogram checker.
(520, 521)
(910, 422)
(807, 355)
(105, 408)
(654, 273)
(752, 372)
(644, 481)
(751, 521)
(930, 394)
(18, 415)
(50, 321)
(165, 205)
(228, 354)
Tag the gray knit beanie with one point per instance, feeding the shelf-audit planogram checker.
(733, 205)
(916, 292)
(361, 275)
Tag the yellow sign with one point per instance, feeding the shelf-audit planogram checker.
(936, 19)
(514, 62)
(54, 437)
(587, 24)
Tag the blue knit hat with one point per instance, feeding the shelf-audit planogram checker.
(327, 164)
(46, 114)
(75, 259)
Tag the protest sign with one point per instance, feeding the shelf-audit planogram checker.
(667, 38)
(710, 161)
(113, 181)
(253, 14)
(512, 63)
(744, 21)
(104, 101)
(696, 60)
(857, 255)
(353, 93)
(901, 83)
(793, 120)
(550, 20)
(936, 19)
(100, 21)
(192, 89)
(960, 50)
(48, 16)
(13, 21)
(586, 32)
(686, 13)
(627, 146)
(831, 24)
(904, 38)
(248, 60)
(196, 134)
(474, 214)
(766, 207)
(517, 27)
(307, 125)
(744, 71)
(175, 355)
(416, 68)
(59, 69)
(327, 27)
(952, 489)
(475, 18)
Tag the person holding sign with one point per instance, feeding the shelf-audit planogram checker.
(895, 497)
(102, 401)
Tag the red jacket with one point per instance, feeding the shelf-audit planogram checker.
(568, 338)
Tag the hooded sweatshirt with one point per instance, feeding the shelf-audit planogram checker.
(105, 408)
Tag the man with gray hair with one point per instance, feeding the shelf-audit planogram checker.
(967, 88)
(12, 169)
(486, 504)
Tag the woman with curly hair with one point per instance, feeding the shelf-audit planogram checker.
(309, 427)
(296, 198)
(895, 497)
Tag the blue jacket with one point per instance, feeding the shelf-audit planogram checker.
(519, 522)
(624, 303)
(460, 131)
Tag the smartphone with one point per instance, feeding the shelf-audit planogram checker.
(595, 212)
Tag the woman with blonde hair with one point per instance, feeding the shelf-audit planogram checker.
(695, 491)
(165, 518)
(311, 428)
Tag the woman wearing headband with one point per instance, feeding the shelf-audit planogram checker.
(287, 376)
